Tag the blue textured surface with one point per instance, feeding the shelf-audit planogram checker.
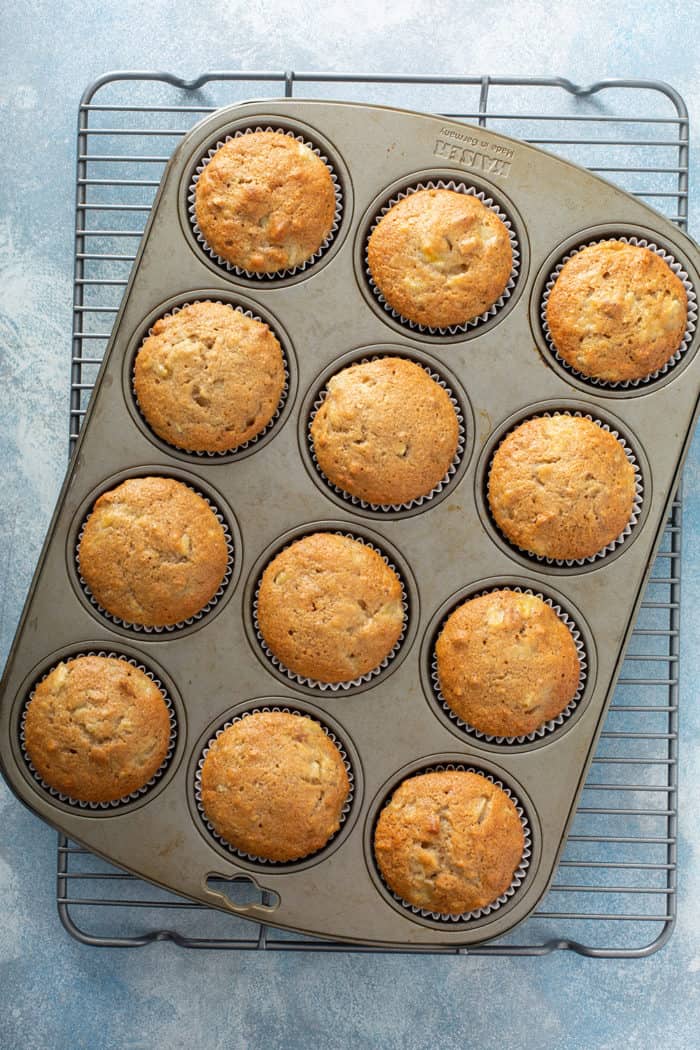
(55, 993)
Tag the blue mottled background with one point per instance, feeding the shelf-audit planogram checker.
(55, 993)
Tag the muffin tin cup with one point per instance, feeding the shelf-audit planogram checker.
(213, 456)
(459, 187)
(636, 507)
(134, 795)
(314, 683)
(547, 727)
(691, 323)
(347, 806)
(167, 628)
(419, 501)
(520, 871)
(238, 270)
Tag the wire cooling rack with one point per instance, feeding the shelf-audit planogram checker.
(614, 893)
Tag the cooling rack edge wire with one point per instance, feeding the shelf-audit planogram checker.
(614, 894)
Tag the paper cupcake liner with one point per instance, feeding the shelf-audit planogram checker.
(140, 792)
(520, 872)
(419, 501)
(636, 507)
(458, 187)
(198, 785)
(691, 323)
(546, 727)
(238, 270)
(314, 683)
(168, 628)
(244, 444)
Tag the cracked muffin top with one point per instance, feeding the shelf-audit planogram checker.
(617, 311)
(97, 729)
(274, 785)
(265, 202)
(507, 663)
(152, 552)
(440, 257)
(208, 378)
(449, 842)
(561, 487)
(330, 608)
(386, 432)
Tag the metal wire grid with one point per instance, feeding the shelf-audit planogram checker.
(615, 890)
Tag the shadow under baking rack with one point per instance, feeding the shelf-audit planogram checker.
(614, 893)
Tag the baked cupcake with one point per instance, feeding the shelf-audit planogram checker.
(330, 608)
(617, 312)
(273, 785)
(265, 202)
(386, 432)
(506, 663)
(208, 378)
(152, 552)
(561, 487)
(449, 842)
(440, 257)
(97, 729)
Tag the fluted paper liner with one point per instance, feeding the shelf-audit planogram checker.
(276, 274)
(198, 784)
(458, 187)
(244, 444)
(546, 727)
(139, 792)
(691, 322)
(419, 501)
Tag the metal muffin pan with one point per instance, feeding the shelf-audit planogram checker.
(214, 668)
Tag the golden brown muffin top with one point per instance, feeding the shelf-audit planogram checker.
(617, 311)
(386, 432)
(274, 786)
(440, 257)
(449, 842)
(330, 608)
(265, 202)
(561, 487)
(507, 663)
(153, 551)
(208, 378)
(97, 729)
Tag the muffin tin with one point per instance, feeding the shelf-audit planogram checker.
(214, 669)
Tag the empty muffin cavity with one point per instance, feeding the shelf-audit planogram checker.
(289, 271)
(347, 806)
(496, 209)
(546, 727)
(691, 319)
(132, 796)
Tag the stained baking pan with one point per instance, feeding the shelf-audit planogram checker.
(501, 370)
